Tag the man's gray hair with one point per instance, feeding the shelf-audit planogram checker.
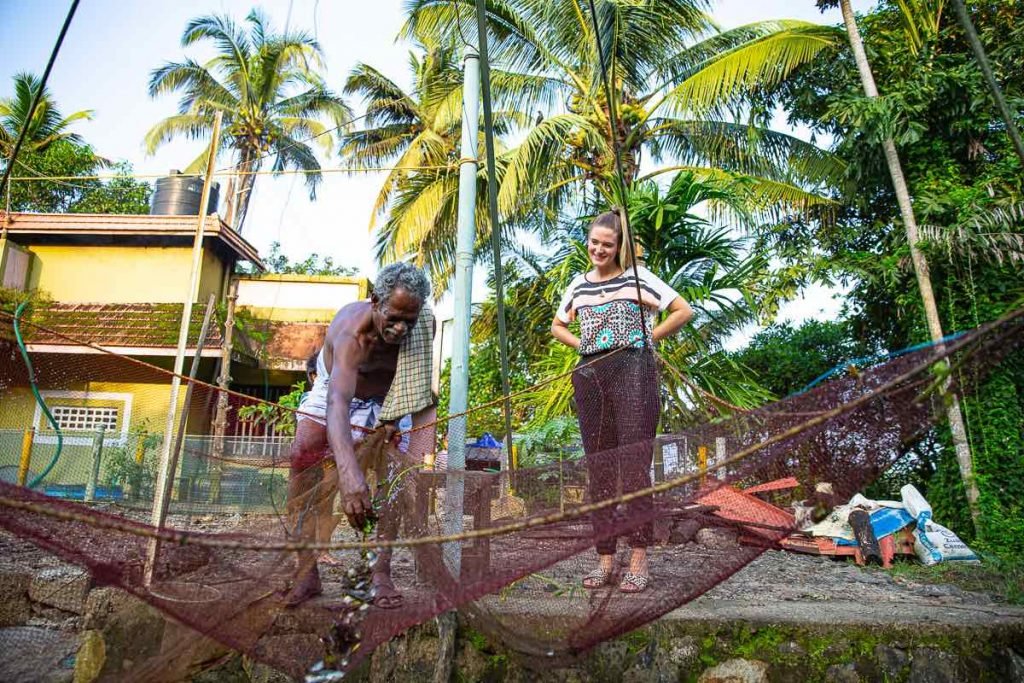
(401, 275)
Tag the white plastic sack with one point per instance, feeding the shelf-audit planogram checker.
(933, 542)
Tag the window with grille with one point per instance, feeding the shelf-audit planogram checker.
(85, 418)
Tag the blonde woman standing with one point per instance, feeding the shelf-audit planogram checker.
(616, 384)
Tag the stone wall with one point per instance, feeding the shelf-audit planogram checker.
(56, 627)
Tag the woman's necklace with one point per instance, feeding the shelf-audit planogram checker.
(604, 294)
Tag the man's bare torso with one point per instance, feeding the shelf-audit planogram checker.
(376, 360)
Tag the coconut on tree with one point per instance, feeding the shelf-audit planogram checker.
(271, 91)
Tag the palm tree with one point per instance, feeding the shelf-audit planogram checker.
(957, 429)
(270, 90)
(48, 124)
(675, 97)
(416, 134)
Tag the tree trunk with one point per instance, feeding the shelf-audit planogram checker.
(247, 178)
(924, 282)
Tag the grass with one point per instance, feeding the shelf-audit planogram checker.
(996, 575)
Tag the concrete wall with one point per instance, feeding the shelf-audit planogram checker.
(15, 262)
(299, 298)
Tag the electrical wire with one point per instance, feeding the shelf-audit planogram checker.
(294, 171)
(5, 182)
(621, 176)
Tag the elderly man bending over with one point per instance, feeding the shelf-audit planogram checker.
(356, 367)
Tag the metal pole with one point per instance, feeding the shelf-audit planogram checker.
(990, 78)
(159, 507)
(463, 306)
(165, 494)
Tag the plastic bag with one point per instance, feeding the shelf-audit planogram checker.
(933, 542)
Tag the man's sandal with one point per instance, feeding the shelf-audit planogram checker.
(597, 579)
(633, 583)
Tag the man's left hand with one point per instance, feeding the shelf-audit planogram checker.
(391, 433)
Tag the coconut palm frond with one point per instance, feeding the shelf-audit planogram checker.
(755, 65)
(996, 235)
(270, 90)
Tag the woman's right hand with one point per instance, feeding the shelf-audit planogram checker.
(560, 331)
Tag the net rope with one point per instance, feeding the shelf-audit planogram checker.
(239, 525)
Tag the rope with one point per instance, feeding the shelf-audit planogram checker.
(620, 175)
(185, 538)
(246, 397)
(871, 360)
(254, 399)
(168, 373)
(707, 394)
(492, 207)
(222, 172)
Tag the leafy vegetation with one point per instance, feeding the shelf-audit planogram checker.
(134, 465)
(786, 359)
(51, 149)
(736, 216)
(314, 264)
(278, 416)
(967, 186)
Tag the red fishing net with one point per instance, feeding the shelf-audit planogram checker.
(524, 537)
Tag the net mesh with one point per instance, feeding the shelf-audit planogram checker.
(247, 523)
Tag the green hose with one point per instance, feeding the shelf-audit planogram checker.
(35, 392)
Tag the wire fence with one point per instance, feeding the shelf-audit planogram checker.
(228, 475)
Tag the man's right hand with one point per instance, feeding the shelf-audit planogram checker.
(355, 499)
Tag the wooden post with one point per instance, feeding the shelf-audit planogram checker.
(659, 460)
(26, 455)
(229, 203)
(140, 448)
(97, 455)
(561, 483)
(702, 463)
(220, 421)
(720, 454)
(193, 372)
(165, 476)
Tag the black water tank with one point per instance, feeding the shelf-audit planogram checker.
(181, 195)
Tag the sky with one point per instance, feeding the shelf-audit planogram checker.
(113, 46)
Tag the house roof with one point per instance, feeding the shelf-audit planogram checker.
(126, 230)
(133, 329)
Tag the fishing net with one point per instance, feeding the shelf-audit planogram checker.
(246, 522)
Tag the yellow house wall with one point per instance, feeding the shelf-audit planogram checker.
(110, 274)
(211, 276)
(148, 413)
